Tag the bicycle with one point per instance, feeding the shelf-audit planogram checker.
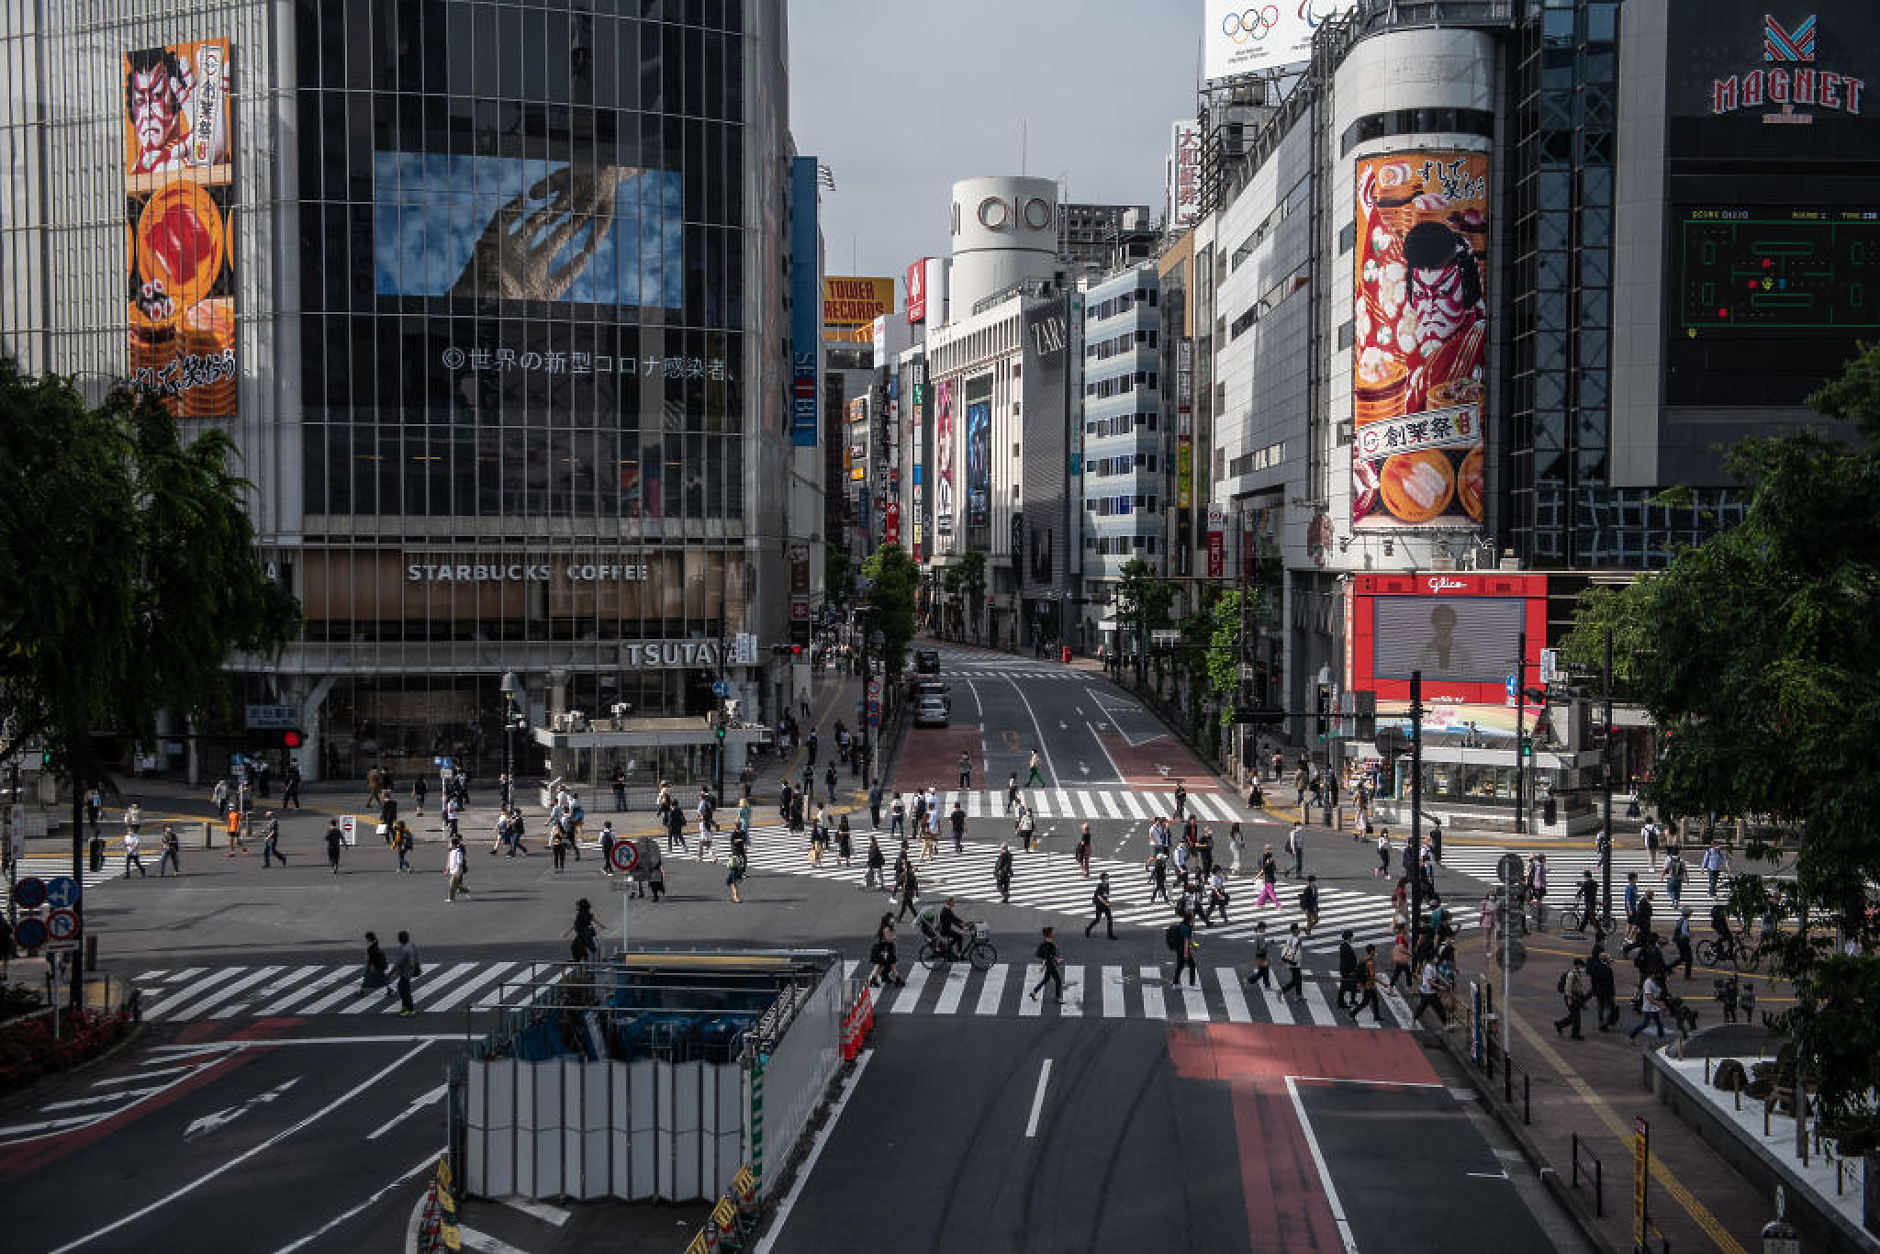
(1714, 951)
(977, 950)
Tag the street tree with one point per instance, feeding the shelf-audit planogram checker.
(892, 580)
(128, 573)
(838, 574)
(972, 568)
(1753, 653)
(1143, 601)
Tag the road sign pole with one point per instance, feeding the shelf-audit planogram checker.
(78, 875)
(1520, 717)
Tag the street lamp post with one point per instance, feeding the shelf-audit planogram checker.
(511, 687)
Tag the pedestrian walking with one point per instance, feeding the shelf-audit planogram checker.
(1716, 863)
(897, 818)
(558, 843)
(1430, 989)
(829, 782)
(418, 791)
(1294, 975)
(1296, 846)
(405, 969)
(271, 842)
(1002, 873)
(401, 845)
(94, 809)
(1181, 938)
(290, 793)
(876, 861)
(1269, 881)
(1158, 876)
(1651, 1007)
(874, 805)
(454, 866)
(811, 741)
(957, 820)
(453, 815)
(1383, 858)
(373, 976)
(1572, 988)
(1238, 843)
(172, 849)
(1262, 958)
(1051, 964)
(132, 843)
(884, 956)
(583, 943)
(1599, 979)
(1034, 776)
(1673, 876)
(1082, 852)
(1347, 969)
(1100, 908)
(1400, 961)
(966, 772)
(1366, 979)
(1681, 939)
(620, 791)
(1181, 799)
(1011, 791)
(910, 893)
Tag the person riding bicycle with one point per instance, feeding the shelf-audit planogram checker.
(952, 931)
(1720, 924)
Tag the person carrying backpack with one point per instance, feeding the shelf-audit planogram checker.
(1051, 963)
(1572, 987)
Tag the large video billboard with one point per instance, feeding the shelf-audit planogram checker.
(1462, 629)
(179, 248)
(1419, 330)
(979, 464)
(943, 458)
(523, 228)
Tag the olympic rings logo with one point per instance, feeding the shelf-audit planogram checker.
(1251, 24)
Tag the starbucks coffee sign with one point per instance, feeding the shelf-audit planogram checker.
(565, 570)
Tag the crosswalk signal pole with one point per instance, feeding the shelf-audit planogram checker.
(1605, 774)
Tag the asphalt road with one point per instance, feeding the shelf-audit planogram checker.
(1060, 1136)
(308, 1142)
(292, 1080)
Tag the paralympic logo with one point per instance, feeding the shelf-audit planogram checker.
(1313, 12)
(1254, 24)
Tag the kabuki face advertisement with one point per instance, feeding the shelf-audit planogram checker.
(178, 178)
(1419, 323)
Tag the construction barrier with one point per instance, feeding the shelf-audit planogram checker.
(438, 1230)
(733, 1219)
(857, 1023)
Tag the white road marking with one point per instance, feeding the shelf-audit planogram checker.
(417, 1103)
(429, 1160)
(803, 1173)
(1037, 1100)
(1073, 1007)
(538, 1210)
(905, 1000)
(1154, 1002)
(1325, 1176)
(1231, 997)
(403, 1060)
(484, 1243)
(1113, 993)
(992, 992)
(953, 989)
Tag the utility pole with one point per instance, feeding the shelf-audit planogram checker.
(1605, 773)
(1520, 733)
(1244, 687)
(1416, 809)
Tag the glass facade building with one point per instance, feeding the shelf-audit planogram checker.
(502, 287)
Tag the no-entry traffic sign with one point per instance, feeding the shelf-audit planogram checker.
(625, 856)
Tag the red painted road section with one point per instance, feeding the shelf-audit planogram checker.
(36, 1154)
(1140, 764)
(931, 755)
(1286, 1203)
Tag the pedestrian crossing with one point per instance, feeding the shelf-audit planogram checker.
(1565, 867)
(983, 671)
(1053, 881)
(52, 866)
(1130, 805)
(1221, 994)
(1126, 990)
(200, 994)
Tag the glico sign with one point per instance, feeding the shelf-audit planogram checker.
(1790, 81)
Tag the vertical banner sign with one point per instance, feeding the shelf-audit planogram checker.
(1420, 324)
(916, 284)
(1184, 174)
(1217, 540)
(891, 522)
(943, 458)
(805, 304)
(1641, 1173)
(179, 246)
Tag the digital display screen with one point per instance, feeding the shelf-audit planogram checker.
(1459, 639)
(1763, 269)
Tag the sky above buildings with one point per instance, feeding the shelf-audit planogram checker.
(901, 100)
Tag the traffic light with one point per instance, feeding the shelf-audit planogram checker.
(45, 758)
(292, 738)
(718, 723)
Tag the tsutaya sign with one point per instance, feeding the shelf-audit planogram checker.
(670, 654)
(563, 569)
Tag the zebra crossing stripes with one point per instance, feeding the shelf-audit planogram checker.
(1074, 802)
(199, 993)
(52, 866)
(1111, 991)
(1053, 882)
(1565, 866)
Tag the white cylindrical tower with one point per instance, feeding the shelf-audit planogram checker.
(1004, 231)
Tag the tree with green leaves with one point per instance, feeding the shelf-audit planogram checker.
(129, 574)
(1224, 651)
(972, 568)
(1754, 655)
(838, 574)
(892, 579)
(1143, 601)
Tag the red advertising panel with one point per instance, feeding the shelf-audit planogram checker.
(891, 523)
(916, 283)
(1462, 629)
